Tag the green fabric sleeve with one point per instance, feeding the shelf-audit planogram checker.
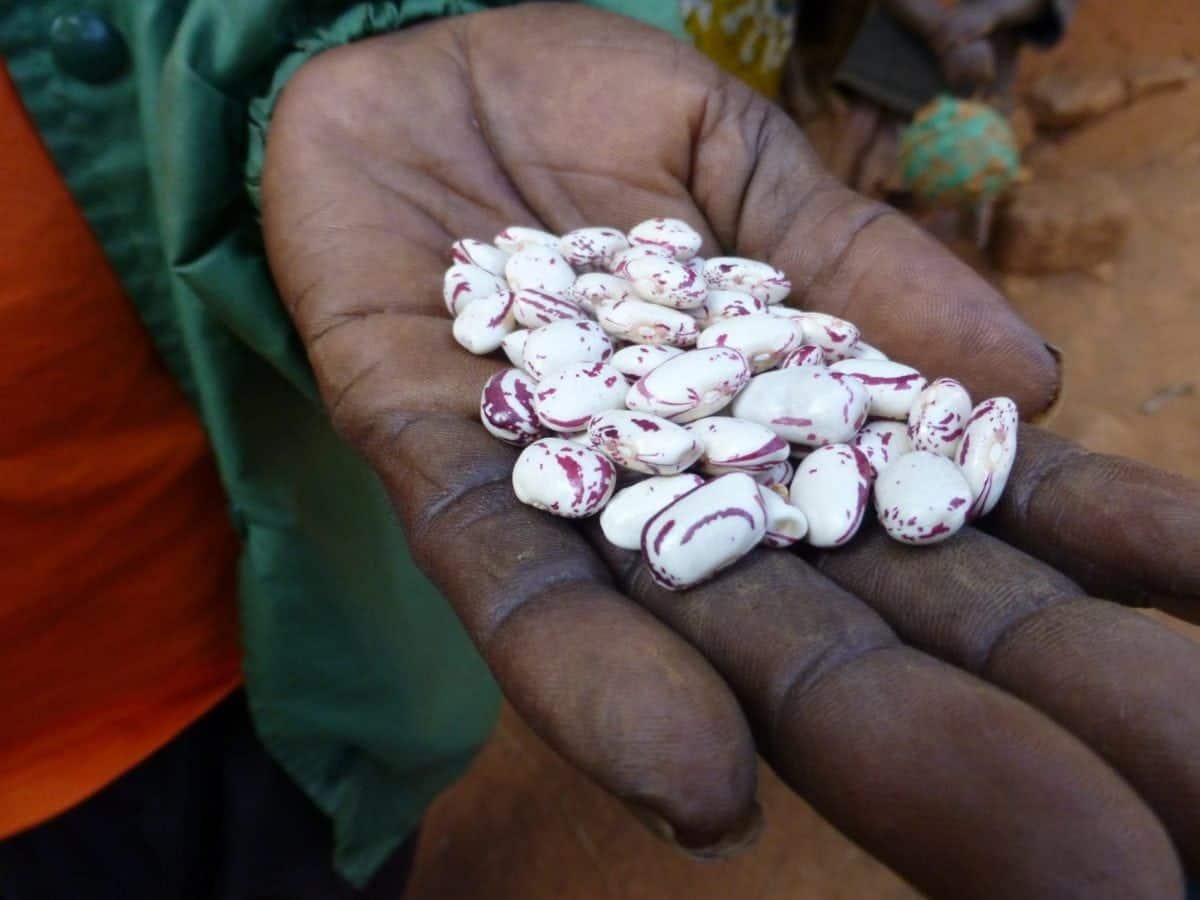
(361, 21)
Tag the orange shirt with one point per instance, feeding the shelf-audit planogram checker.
(117, 561)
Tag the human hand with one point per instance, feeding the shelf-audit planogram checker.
(962, 712)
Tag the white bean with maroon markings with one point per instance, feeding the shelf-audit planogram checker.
(805, 405)
(831, 487)
(619, 264)
(836, 337)
(804, 355)
(647, 323)
(533, 308)
(987, 451)
(737, 445)
(481, 327)
(675, 236)
(637, 360)
(626, 515)
(593, 288)
(464, 284)
(563, 478)
(786, 524)
(704, 531)
(561, 343)
(922, 498)
(733, 273)
(893, 387)
(721, 305)
(786, 312)
(506, 407)
(567, 398)
(539, 268)
(589, 249)
(643, 442)
(863, 350)
(477, 253)
(665, 282)
(692, 385)
(936, 420)
(763, 339)
(881, 442)
(515, 238)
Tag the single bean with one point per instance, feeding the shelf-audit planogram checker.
(763, 339)
(464, 284)
(590, 249)
(881, 442)
(733, 273)
(805, 405)
(721, 305)
(637, 360)
(506, 407)
(567, 398)
(477, 253)
(513, 346)
(786, 524)
(922, 498)
(559, 344)
(563, 478)
(481, 327)
(533, 308)
(675, 236)
(619, 264)
(936, 420)
(831, 488)
(987, 451)
(666, 282)
(804, 355)
(837, 338)
(647, 323)
(539, 268)
(893, 387)
(706, 530)
(643, 442)
(515, 238)
(692, 385)
(737, 445)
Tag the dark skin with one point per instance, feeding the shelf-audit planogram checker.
(965, 712)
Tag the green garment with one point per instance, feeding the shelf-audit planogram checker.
(361, 681)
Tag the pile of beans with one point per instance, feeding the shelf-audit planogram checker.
(753, 422)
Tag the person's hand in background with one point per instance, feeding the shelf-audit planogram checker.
(966, 713)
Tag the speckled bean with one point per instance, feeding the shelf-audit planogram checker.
(692, 385)
(736, 445)
(733, 273)
(804, 355)
(559, 344)
(593, 288)
(539, 268)
(704, 531)
(921, 498)
(987, 451)
(881, 442)
(805, 405)
(567, 398)
(626, 515)
(637, 360)
(589, 249)
(515, 238)
(563, 478)
(506, 407)
(463, 284)
(643, 442)
(831, 487)
(666, 282)
(763, 339)
(836, 337)
(786, 524)
(481, 327)
(675, 236)
(721, 305)
(647, 323)
(619, 264)
(534, 309)
(936, 420)
(893, 387)
(477, 253)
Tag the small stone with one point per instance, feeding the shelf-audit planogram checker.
(1145, 76)
(1063, 99)
(1061, 225)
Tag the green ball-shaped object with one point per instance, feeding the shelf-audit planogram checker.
(958, 152)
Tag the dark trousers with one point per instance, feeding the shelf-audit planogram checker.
(211, 816)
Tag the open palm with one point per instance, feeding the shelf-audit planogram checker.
(967, 712)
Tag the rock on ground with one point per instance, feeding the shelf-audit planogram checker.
(1064, 98)
(1061, 224)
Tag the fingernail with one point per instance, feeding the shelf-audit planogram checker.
(738, 838)
(1055, 404)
